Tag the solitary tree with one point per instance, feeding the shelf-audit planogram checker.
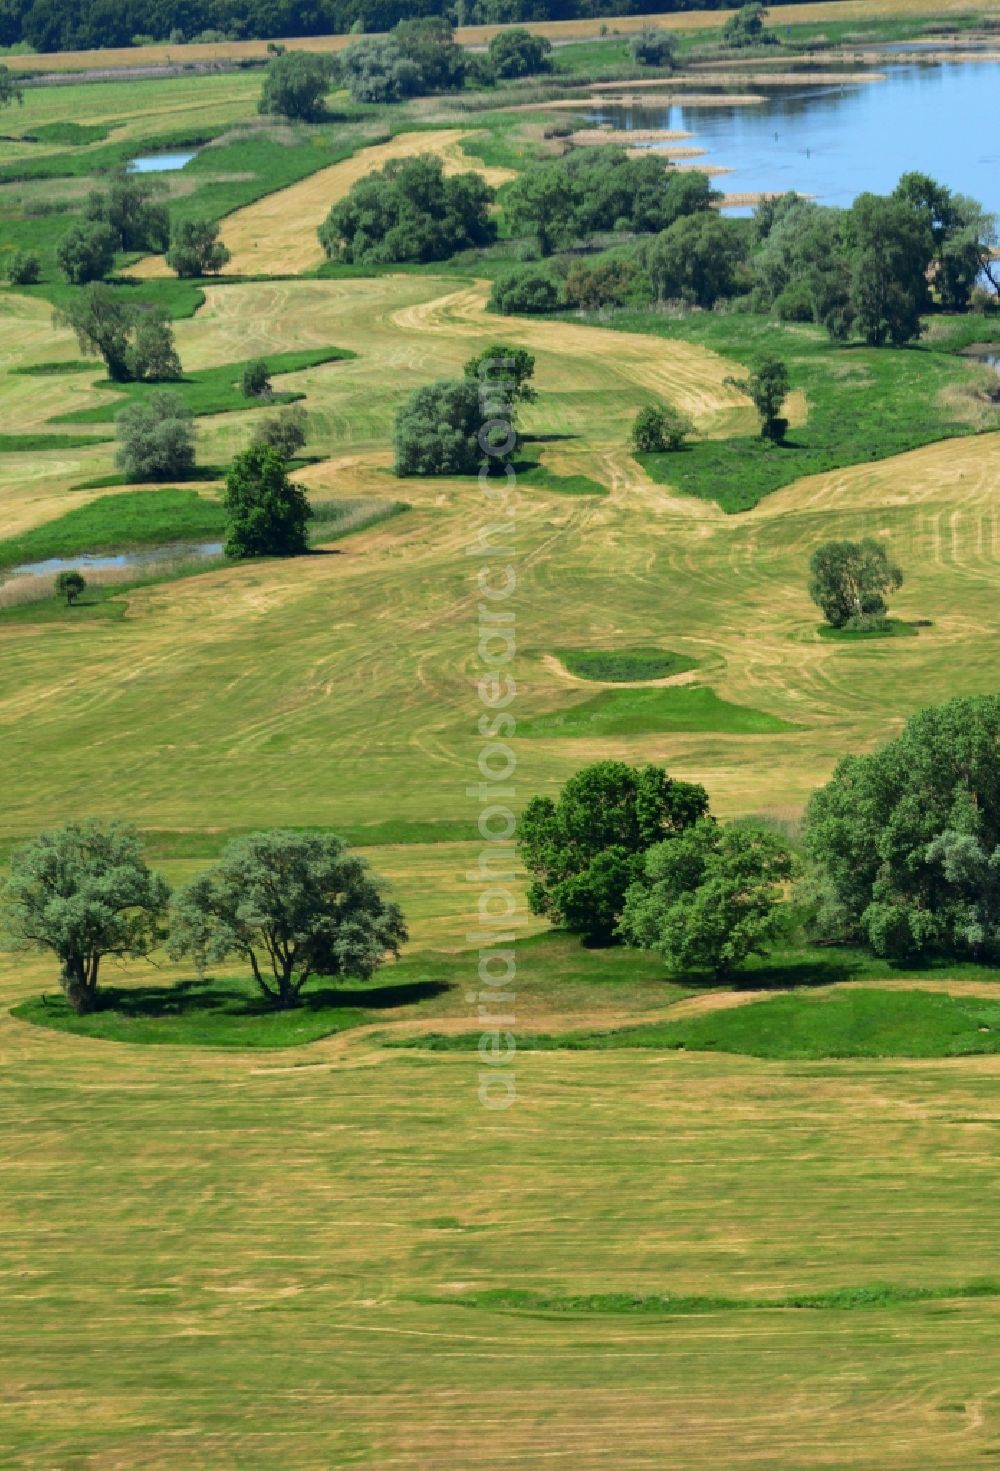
(585, 849)
(84, 892)
(767, 385)
(256, 380)
(295, 85)
(849, 580)
(708, 897)
(136, 342)
(437, 430)
(653, 47)
(286, 432)
(23, 268)
(746, 28)
(656, 430)
(292, 905)
(503, 372)
(155, 438)
(104, 325)
(70, 585)
(10, 88)
(515, 52)
(267, 513)
(86, 252)
(195, 249)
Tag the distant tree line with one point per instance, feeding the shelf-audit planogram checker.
(57, 25)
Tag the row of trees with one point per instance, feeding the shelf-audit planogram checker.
(420, 56)
(289, 905)
(57, 25)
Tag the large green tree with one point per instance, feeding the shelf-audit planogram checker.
(515, 52)
(709, 897)
(850, 580)
(292, 906)
(767, 387)
(295, 85)
(104, 324)
(437, 430)
(84, 892)
(155, 438)
(906, 840)
(696, 258)
(890, 247)
(267, 513)
(195, 248)
(585, 849)
(86, 252)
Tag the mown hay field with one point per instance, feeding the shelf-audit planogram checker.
(222, 1260)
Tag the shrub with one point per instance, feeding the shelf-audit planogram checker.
(657, 430)
(86, 253)
(23, 269)
(70, 585)
(156, 438)
(295, 84)
(518, 53)
(196, 250)
(152, 356)
(268, 515)
(606, 283)
(653, 47)
(524, 291)
(256, 379)
(286, 432)
(437, 430)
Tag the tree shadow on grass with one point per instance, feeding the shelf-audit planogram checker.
(190, 998)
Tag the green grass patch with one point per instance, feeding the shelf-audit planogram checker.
(835, 1024)
(100, 604)
(138, 518)
(209, 390)
(641, 712)
(624, 665)
(864, 404)
(50, 370)
(73, 135)
(230, 1013)
(667, 1305)
(893, 628)
(11, 444)
(539, 477)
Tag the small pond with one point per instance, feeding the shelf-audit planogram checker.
(102, 561)
(160, 163)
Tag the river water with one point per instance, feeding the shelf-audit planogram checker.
(835, 142)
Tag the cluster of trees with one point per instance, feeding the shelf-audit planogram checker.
(289, 905)
(630, 853)
(409, 211)
(57, 25)
(588, 191)
(869, 271)
(450, 427)
(420, 56)
(900, 852)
